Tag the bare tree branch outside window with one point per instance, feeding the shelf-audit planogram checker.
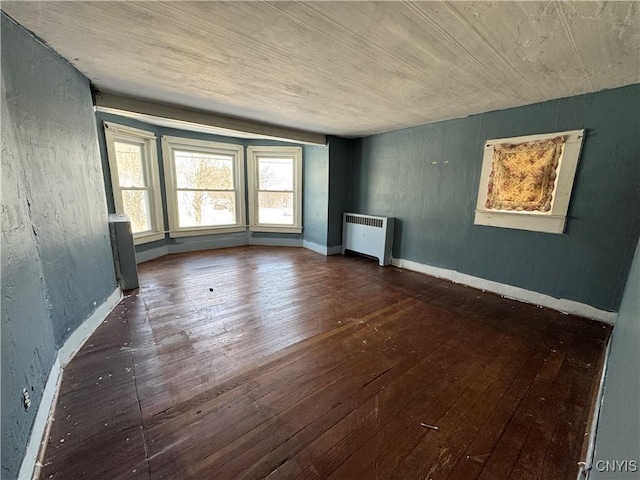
(205, 188)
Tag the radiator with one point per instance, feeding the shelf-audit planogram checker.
(368, 235)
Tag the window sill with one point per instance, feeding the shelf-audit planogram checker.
(147, 237)
(193, 232)
(274, 229)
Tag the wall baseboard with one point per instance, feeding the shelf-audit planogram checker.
(321, 249)
(337, 250)
(75, 341)
(509, 291)
(275, 242)
(151, 254)
(184, 246)
(46, 409)
(587, 463)
(38, 435)
(193, 246)
(315, 247)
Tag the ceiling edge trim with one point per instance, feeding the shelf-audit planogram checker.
(171, 112)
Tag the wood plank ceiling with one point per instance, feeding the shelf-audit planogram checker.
(344, 68)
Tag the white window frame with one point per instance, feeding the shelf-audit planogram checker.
(115, 132)
(169, 145)
(253, 154)
(553, 221)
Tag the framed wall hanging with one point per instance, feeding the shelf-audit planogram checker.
(526, 181)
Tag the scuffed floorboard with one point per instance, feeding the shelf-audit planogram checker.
(280, 363)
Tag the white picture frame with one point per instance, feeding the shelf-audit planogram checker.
(552, 221)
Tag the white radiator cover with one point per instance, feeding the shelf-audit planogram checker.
(369, 235)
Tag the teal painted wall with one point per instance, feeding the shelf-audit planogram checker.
(339, 183)
(315, 197)
(56, 259)
(618, 433)
(427, 177)
(57, 264)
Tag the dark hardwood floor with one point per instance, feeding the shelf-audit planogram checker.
(280, 363)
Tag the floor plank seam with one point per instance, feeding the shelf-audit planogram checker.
(135, 383)
(277, 364)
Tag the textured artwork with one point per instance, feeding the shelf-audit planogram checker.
(523, 175)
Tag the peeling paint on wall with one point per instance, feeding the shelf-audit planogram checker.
(56, 255)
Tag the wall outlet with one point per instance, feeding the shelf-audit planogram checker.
(26, 400)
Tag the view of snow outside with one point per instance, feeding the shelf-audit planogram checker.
(205, 188)
(275, 191)
(205, 184)
(133, 185)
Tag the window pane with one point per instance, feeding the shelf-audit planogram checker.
(275, 208)
(130, 165)
(203, 170)
(197, 209)
(275, 173)
(136, 206)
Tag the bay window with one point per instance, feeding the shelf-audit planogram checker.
(275, 189)
(133, 163)
(205, 186)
